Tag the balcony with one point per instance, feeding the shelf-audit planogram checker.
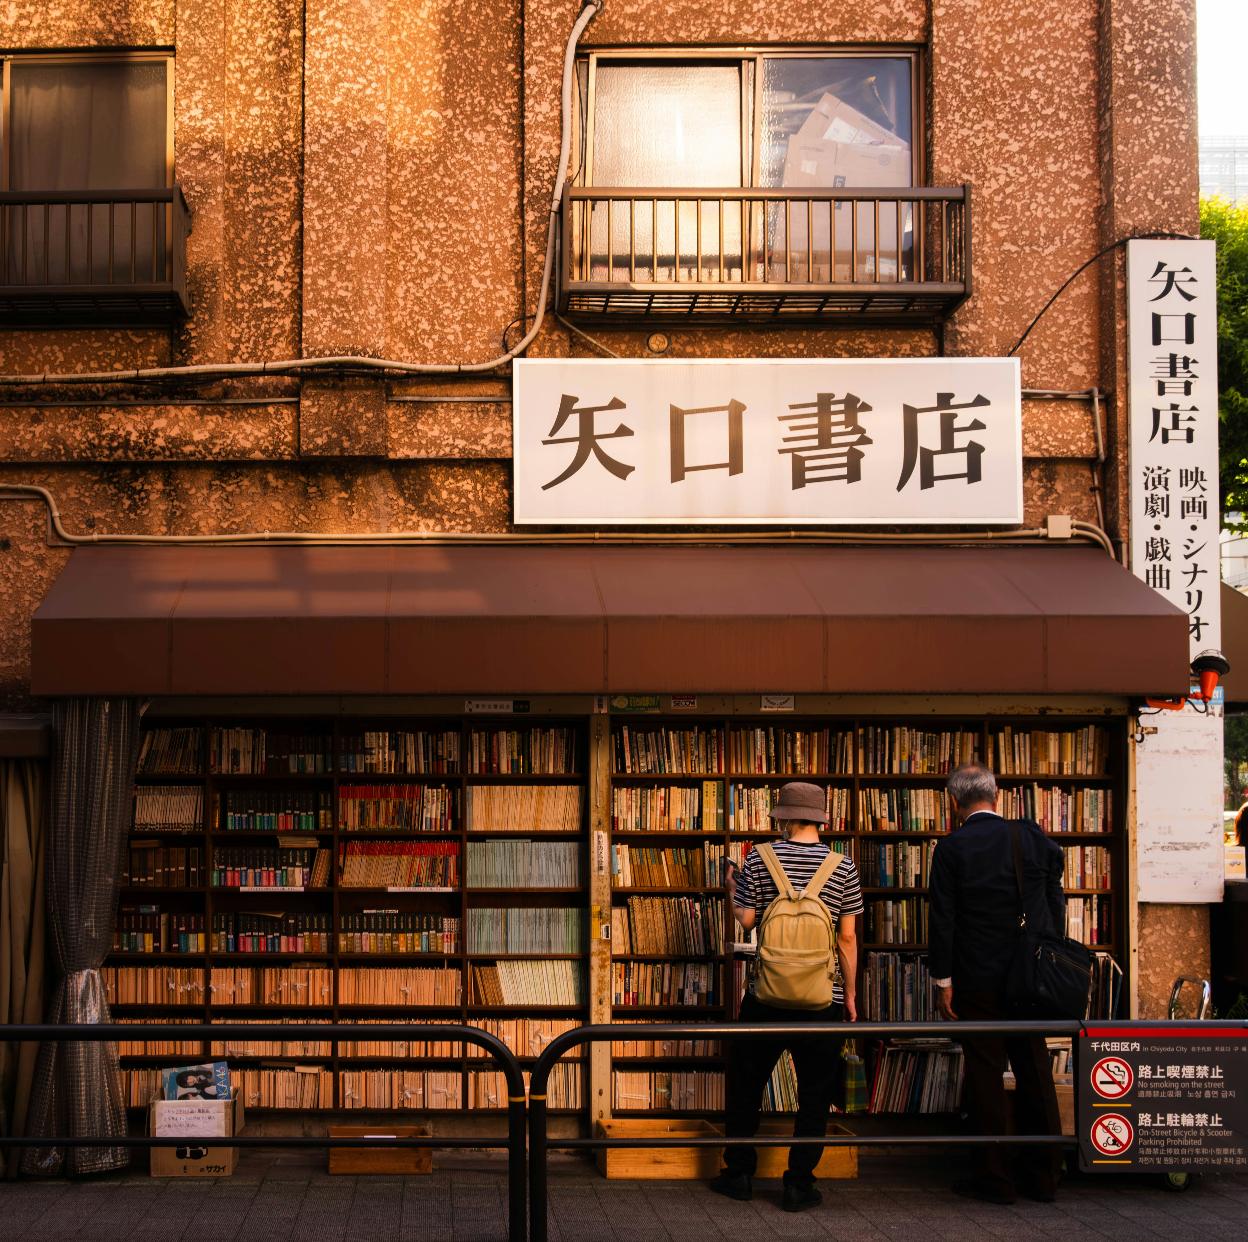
(93, 258)
(848, 256)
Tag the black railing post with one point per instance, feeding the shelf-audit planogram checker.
(517, 1168)
(539, 1204)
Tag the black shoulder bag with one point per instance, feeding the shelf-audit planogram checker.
(1050, 975)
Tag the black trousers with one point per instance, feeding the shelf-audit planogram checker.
(984, 1096)
(817, 1060)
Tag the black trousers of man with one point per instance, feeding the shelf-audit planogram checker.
(817, 1061)
(1002, 1165)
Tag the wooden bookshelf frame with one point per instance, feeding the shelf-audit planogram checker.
(336, 899)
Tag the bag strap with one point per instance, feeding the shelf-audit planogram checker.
(1018, 870)
(822, 875)
(768, 854)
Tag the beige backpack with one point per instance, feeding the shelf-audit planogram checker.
(796, 963)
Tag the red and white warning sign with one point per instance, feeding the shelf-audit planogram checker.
(1112, 1078)
(1112, 1134)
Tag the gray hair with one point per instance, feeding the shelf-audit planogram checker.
(971, 783)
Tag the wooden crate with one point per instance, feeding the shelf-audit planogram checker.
(390, 1160)
(657, 1163)
(835, 1163)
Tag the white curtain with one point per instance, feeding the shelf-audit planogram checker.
(86, 125)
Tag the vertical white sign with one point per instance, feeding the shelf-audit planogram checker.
(1173, 402)
(1172, 338)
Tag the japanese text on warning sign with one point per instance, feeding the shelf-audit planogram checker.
(1165, 1101)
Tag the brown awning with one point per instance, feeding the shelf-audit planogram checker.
(577, 619)
(1235, 644)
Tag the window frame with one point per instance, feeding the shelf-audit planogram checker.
(585, 102)
(8, 59)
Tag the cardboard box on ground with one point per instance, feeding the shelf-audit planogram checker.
(198, 1122)
(839, 147)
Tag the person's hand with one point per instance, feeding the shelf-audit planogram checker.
(851, 1007)
(944, 1002)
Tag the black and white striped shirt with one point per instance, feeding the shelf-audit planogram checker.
(799, 860)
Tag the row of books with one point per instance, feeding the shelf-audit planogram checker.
(1089, 920)
(525, 808)
(640, 866)
(668, 925)
(242, 866)
(149, 864)
(400, 985)
(692, 984)
(904, 810)
(400, 751)
(301, 1087)
(157, 1047)
(169, 752)
(144, 929)
(396, 808)
(295, 984)
(1044, 752)
(899, 749)
(399, 864)
(667, 808)
(1057, 808)
(386, 1089)
(271, 933)
(1086, 866)
(538, 983)
(257, 751)
(896, 987)
(291, 1048)
(897, 920)
(682, 1047)
(904, 864)
(749, 808)
(699, 1091)
(658, 750)
(153, 985)
(168, 808)
(565, 1088)
(538, 929)
(267, 810)
(522, 752)
(522, 863)
(393, 931)
(917, 1076)
(793, 752)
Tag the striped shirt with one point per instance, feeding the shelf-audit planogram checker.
(842, 894)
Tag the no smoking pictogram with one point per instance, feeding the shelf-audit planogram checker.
(1112, 1078)
(1112, 1135)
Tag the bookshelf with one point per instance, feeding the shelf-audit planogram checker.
(357, 869)
(685, 791)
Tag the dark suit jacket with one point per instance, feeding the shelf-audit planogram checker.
(974, 899)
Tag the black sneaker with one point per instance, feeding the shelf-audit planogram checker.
(739, 1186)
(800, 1198)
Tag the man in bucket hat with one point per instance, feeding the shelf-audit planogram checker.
(797, 859)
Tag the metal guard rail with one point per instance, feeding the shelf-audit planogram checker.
(540, 1143)
(514, 1143)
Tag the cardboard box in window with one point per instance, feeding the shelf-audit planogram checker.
(838, 146)
(200, 1123)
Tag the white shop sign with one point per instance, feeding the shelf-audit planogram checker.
(1172, 355)
(924, 441)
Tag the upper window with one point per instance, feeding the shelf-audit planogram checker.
(748, 119)
(87, 122)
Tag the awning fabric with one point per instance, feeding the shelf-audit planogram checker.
(591, 619)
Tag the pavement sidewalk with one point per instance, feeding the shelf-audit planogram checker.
(274, 1197)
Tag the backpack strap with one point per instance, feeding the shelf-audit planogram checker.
(772, 863)
(824, 874)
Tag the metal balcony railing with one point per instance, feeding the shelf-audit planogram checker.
(697, 255)
(93, 257)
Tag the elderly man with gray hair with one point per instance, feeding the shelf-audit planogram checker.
(975, 911)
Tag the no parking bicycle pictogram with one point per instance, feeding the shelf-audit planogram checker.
(1112, 1134)
(1112, 1078)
